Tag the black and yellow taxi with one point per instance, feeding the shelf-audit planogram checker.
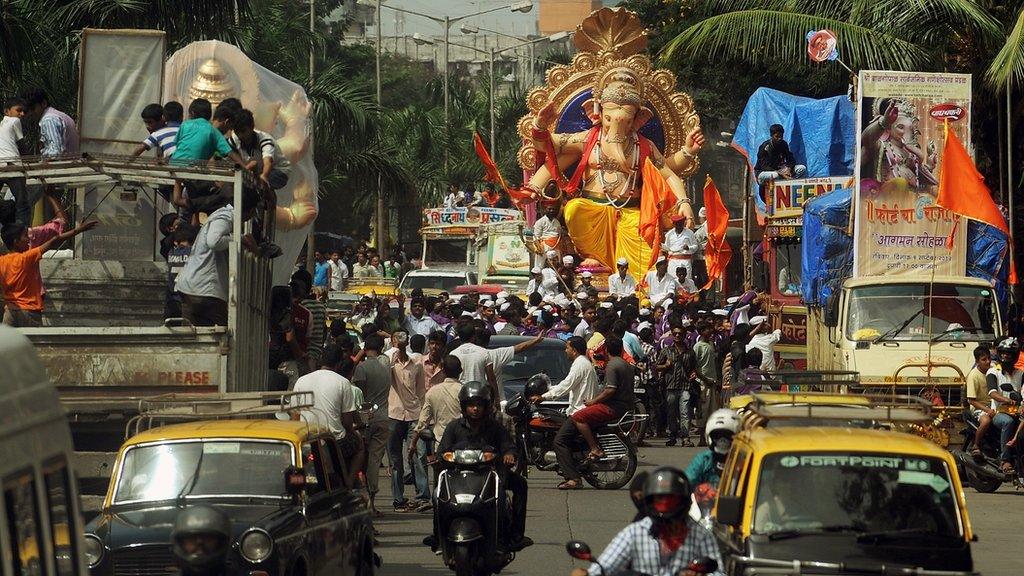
(841, 500)
(238, 466)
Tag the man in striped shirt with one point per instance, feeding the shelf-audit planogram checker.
(162, 123)
(58, 134)
(259, 150)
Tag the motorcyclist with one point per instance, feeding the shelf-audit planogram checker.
(200, 541)
(707, 466)
(479, 427)
(663, 543)
(1004, 383)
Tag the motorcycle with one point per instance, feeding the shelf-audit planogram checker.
(535, 429)
(581, 551)
(472, 516)
(984, 473)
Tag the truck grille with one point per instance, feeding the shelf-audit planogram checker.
(150, 560)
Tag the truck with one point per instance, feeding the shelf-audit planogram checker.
(104, 341)
(488, 243)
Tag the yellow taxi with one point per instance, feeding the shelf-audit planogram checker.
(827, 499)
(238, 466)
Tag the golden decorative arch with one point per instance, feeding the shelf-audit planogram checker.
(607, 39)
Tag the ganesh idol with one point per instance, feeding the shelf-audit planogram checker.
(603, 184)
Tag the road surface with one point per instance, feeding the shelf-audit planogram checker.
(594, 516)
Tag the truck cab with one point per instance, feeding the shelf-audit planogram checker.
(905, 332)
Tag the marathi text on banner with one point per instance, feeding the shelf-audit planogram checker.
(789, 196)
(468, 216)
(898, 227)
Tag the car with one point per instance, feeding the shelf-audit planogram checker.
(547, 357)
(819, 499)
(237, 466)
(433, 281)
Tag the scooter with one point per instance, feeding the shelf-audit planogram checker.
(984, 473)
(471, 516)
(581, 551)
(536, 426)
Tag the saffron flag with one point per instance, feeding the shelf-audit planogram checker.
(492, 174)
(656, 198)
(962, 190)
(717, 253)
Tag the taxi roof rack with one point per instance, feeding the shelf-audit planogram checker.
(878, 407)
(823, 380)
(155, 410)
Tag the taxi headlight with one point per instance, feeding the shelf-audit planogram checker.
(93, 550)
(256, 546)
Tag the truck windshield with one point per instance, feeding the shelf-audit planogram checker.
(888, 495)
(962, 312)
(203, 469)
(446, 251)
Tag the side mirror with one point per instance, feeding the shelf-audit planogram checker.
(729, 511)
(579, 550)
(294, 480)
(832, 310)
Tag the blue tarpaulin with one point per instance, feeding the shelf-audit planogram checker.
(822, 134)
(827, 249)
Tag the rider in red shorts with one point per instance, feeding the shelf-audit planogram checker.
(614, 400)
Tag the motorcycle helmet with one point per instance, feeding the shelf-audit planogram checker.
(537, 385)
(475, 391)
(200, 540)
(1008, 346)
(722, 425)
(667, 494)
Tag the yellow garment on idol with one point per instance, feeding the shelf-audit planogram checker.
(606, 234)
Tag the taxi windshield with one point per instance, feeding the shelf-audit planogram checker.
(863, 493)
(197, 468)
(915, 312)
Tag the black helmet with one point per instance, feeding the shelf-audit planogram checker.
(475, 391)
(667, 494)
(537, 385)
(1008, 346)
(207, 556)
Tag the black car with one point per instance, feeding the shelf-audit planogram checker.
(236, 466)
(547, 357)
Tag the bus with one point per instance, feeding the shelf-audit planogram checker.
(41, 529)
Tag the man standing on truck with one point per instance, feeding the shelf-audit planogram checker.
(774, 159)
(679, 246)
(547, 230)
(621, 284)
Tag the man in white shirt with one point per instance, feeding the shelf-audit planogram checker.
(543, 280)
(581, 385)
(454, 199)
(679, 246)
(547, 230)
(701, 235)
(661, 286)
(417, 321)
(334, 404)
(339, 272)
(764, 341)
(685, 282)
(480, 364)
(621, 284)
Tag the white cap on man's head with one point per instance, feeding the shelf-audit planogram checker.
(581, 296)
(502, 294)
(622, 262)
(643, 326)
(645, 311)
(732, 299)
(703, 212)
(551, 254)
(586, 274)
(504, 306)
(661, 259)
(567, 260)
(754, 321)
(607, 305)
(535, 270)
(720, 312)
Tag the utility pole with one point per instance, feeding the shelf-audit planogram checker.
(311, 239)
(381, 228)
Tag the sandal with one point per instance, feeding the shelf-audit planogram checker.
(1006, 468)
(570, 485)
(976, 453)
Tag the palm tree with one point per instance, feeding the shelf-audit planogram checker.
(1007, 67)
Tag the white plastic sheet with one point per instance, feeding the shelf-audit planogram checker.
(280, 107)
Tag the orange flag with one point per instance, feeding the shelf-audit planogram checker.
(492, 174)
(962, 188)
(717, 253)
(655, 199)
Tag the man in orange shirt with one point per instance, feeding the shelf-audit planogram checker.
(20, 278)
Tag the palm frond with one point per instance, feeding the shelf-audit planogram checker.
(1007, 67)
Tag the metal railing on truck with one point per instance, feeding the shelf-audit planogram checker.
(249, 276)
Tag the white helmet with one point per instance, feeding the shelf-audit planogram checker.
(721, 420)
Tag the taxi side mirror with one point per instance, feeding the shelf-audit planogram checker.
(294, 481)
(729, 511)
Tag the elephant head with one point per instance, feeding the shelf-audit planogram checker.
(619, 109)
